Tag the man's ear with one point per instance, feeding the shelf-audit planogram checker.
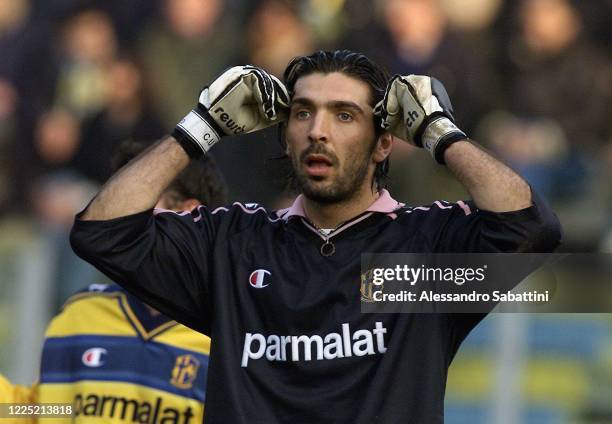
(384, 144)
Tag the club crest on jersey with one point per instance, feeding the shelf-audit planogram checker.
(367, 287)
(185, 371)
(258, 278)
(94, 357)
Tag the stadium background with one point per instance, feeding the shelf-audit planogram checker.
(529, 79)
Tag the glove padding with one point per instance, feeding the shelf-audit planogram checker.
(417, 109)
(241, 100)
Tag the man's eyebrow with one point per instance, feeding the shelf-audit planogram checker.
(345, 104)
(302, 101)
(335, 104)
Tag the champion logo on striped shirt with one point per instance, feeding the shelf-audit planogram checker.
(94, 357)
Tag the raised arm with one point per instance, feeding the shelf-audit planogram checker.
(166, 259)
(417, 109)
(491, 184)
(137, 186)
(243, 99)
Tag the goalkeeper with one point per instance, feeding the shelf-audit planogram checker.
(278, 291)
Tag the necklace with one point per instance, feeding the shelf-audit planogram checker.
(327, 248)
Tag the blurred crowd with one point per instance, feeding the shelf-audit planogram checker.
(529, 79)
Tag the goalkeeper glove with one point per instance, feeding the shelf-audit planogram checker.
(241, 100)
(417, 109)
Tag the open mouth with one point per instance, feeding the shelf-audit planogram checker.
(317, 165)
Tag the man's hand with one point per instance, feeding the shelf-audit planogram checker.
(241, 100)
(417, 109)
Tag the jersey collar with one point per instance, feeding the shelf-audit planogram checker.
(146, 325)
(384, 204)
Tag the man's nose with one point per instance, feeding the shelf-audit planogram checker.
(319, 128)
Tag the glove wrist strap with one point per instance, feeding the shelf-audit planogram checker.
(439, 135)
(197, 132)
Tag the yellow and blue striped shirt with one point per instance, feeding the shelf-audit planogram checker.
(116, 361)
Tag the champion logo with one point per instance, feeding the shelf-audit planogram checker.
(257, 278)
(94, 357)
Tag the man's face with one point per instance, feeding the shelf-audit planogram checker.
(330, 136)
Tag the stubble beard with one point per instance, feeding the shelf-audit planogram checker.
(343, 187)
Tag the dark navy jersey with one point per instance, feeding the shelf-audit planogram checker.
(289, 343)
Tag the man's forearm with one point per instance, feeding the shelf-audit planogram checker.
(137, 186)
(492, 185)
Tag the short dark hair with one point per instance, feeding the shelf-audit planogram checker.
(200, 180)
(356, 65)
